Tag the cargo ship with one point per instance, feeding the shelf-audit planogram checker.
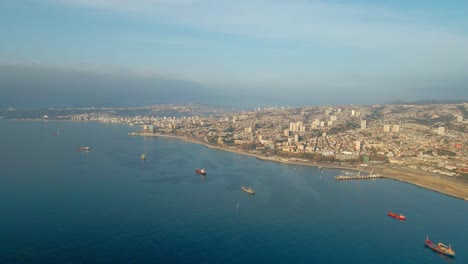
(439, 247)
(200, 171)
(248, 190)
(397, 216)
(84, 148)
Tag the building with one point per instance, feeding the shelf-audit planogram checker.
(296, 138)
(363, 124)
(248, 130)
(396, 129)
(386, 128)
(358, 145)
(441, 130)
(459, 118)
(353, 113)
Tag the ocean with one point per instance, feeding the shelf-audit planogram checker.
(60, 205)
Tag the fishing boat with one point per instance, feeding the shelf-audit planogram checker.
(143, 157)
(248, 190)
(439, 247)
(200, 171)
(397, 216)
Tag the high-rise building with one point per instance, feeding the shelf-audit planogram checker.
(395, 128)
(353, 112)
(286, 133)
(386, 128)
(459, 118)
(441, 130)
(363, 124)
(322, 123)
(296, 138)
(358, 145)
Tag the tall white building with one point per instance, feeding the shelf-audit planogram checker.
(441, 130)
(363, 124)
(386, 128)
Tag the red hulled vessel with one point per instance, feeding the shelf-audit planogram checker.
(397, 216)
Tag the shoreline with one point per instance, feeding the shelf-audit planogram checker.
(418, 178)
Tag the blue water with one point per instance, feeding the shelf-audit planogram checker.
(58, 205)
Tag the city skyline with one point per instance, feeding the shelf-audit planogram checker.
(60, 52)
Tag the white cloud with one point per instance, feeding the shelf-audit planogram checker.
(393, 42)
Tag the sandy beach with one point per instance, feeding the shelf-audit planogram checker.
(419, 178)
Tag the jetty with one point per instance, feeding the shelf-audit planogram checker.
(358, 177)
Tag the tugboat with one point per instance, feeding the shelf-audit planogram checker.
(441, 248)
(397, 216)
(248, 190)
(200, 171)
(143, 157)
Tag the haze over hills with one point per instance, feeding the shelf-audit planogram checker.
(25, 86)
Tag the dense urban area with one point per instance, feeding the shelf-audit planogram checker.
(430, 137)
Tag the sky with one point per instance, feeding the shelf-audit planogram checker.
(238, 53)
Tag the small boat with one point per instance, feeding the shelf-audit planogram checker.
(248, 190)
(56, 133)
(439, 247)
(143, 157)
(200, 171)
(84, 149)
(397, 216)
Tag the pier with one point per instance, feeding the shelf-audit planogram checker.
(358, 177)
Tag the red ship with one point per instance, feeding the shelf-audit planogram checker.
(397, 216)
(200, 171)
(439, 247)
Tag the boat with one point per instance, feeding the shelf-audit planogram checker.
(200, 171)
(248, 190)
(84, 148)
(143, 157)
(439, 247)
(397, 216)
(56, 133)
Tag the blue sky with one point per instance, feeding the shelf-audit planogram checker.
(307, 52)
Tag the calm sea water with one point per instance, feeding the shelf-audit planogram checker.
(58, 205)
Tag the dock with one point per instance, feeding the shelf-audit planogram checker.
(358, 177)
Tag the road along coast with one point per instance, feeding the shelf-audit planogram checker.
(419, 178)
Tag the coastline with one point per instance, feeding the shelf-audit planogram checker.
(419, 178)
